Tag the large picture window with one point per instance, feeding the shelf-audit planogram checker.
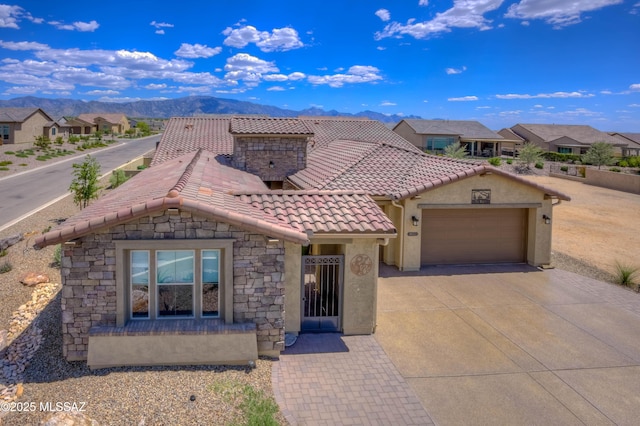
(437, 144)
(4, 132)
(164, 283)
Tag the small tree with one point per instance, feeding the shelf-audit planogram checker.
(85, 181)
(455, 150)
(600, 154)
(143, 128)
(529, 154)
(42, 142)
(117, 178)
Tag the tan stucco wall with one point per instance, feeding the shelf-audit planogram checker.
(175, 349)
(613, 180)
(27, 131)
(360, 287)
(404, 130)
(505, 193)
(292, 276)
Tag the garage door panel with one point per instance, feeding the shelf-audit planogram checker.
(473, 236)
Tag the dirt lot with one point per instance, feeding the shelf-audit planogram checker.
(598, 226)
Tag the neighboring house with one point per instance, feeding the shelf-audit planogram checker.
(566, 138)
(511, 143)
(633, 143)
(111, 123)
(24, 125)
(433, 136)
(77, 126)
(200, 260)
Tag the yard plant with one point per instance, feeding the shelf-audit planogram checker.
(599, 154)
(529, 154)
(85, 181)
(455, 150)
(626, 274)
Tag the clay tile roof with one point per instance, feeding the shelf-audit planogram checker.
(582, 134)
(179, 183)
(329, 129)
(268, 126)
(466, 129)
(187, 134)
(325, 212)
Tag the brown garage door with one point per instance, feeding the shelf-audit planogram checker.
(473, 236)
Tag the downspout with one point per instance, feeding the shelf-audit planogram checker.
(401, 207)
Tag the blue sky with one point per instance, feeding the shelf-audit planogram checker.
(501, 62)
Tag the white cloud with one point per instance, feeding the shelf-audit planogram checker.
(634, 105)
(423, 3)
(546, 95)
(160, 25)
(606, 92)
(76, 26)
(557, 13)
(85, 77)
(383, 14)
(387, 103)
(155, 86)
(247, 68)
(275, 77)
(456, 70)
(279, 39)
(10, 16)
(276, 89)
(355, 74)
(196, 51)
(102, 92)
(463, 14)
(23, 45)
(463, 99)
(294, 76)
(635, 87)
(538, 106)
(161, 32)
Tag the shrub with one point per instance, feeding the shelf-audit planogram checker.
(117, 178)
(141, 167)
(22, 155)
(509, 161)
(59, 140)
(634, 161)
(42, 142)
(73, 139)
(22, 164)
(9, 152)
(57, 256)
(626, 274)
(623, 163)
(529, 153)
(564, 168)
(43, 157)
(5, 267)
(582, 171)
(539, 165)
(4, 169)
(615, 169)
(6, 163)
(599, 154)
(3, 253)
(495, 161)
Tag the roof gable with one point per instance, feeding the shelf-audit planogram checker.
(20, 115)
(581, 133)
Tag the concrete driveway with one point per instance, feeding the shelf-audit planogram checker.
(513, 345)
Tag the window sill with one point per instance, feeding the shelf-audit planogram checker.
(173, 327)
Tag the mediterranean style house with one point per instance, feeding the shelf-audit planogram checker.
(24, 125)
(247, 228)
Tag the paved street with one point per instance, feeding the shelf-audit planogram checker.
(26, 192)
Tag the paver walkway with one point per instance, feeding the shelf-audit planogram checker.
(330, 379)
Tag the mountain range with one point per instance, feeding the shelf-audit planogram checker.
(179, 107)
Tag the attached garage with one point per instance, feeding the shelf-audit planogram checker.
(473, 235)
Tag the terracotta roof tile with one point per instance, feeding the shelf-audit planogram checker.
(268, 126)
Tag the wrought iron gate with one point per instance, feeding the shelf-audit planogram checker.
(321, 292)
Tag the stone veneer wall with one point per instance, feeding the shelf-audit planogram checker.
(89, 283)
(253, 154)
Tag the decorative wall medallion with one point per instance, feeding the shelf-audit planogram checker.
(361, 264)
(480, 196)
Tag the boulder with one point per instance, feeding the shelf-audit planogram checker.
(68, 418)
(9, 241)
(32, 279)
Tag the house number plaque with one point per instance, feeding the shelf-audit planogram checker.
(480, 196)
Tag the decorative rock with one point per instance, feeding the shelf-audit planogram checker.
(70, 418)
(9, 241)
(33, 279)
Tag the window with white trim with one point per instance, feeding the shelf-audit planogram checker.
(4, 132)
(174, 283)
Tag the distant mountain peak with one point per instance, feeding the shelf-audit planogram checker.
(179, 107)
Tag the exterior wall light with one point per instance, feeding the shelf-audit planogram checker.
(415, 220)
(271, 165)
(547, 219)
